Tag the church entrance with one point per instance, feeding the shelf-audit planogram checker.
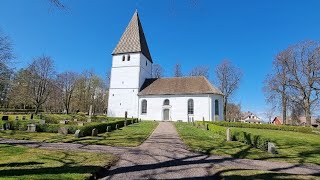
(166, 114)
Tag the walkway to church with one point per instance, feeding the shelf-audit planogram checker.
(164, 156)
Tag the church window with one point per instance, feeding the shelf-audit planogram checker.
(166, 102)
(216, 105)
(190, 106)
(146, 63)
(123, 58)
(128, 57)
(144, 107)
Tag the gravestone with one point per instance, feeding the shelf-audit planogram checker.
(42, 122)
(271, 148)
(63, 130)
(5, 118)
(117, 126)
(75, 120)
(23, 117)
(80, 124)
(108, 128)
(94, 132)
(90, 114)
(229, 134)
(31, 128)
(63, 122)
(77, 134)
(6, 126)
(207, 127)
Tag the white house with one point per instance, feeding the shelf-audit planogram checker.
(249, 117)
(135, 92)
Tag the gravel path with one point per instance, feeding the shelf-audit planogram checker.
(164, 156)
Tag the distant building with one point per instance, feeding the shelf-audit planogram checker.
(302, 120)
(277, 121)
(249, 117)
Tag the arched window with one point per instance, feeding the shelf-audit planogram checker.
(190, 106)
(128, 57)
(216, 107)
(166, 102)
(123, 58)
(144, 107)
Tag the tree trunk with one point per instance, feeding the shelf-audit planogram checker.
(225, 109)
(284, 109)
(308, 116)
(37, 109)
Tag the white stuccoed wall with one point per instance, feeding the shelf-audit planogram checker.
(179, 107)
(125, 82)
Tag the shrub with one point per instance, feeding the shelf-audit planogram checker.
(101, 127)
(265, 126)
(250, 139)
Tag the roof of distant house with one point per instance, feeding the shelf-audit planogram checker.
(178, 85)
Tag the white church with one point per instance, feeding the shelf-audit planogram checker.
(134, 91)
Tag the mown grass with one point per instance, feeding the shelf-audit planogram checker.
(209, 142)
(130, 136)
(292, 146)
(30, 163)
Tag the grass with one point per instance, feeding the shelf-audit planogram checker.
(129, 136)
(212, 143)
(292, 146)
(30, 163)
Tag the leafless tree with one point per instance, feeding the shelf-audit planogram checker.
(228, 77)
(67, 83)
(177, 70)
(276, 84)
(270, 113)
(233, 112)
(200, 71)
(58, 4)
(157, 71)
(6, 50)
(39, 78)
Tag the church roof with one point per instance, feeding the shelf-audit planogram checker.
(178, 86)
(133, 39)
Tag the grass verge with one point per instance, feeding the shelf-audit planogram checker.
(31, 163)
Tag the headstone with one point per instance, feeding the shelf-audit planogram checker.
(271, 148)
(126, 115)
(17, 118)
(90, 113)
(77, 134)
(23, 117)
(75, 120)
(229, 134)
(108, 128)
(42, 122)
(5, 118)
(63, 130)
(207, 127)
(94, 132)
(117, 126)
(6, 126)
(80, 124)
(63, 122)
(31, 128)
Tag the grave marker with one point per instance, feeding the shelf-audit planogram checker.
(229, 134)
(94, 132)
(77, 134)
(42, 122)
(108, 128)
(271, 148)
(31, 128)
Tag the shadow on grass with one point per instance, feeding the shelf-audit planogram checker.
(20, 164)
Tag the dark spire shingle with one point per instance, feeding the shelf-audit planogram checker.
(133, 39)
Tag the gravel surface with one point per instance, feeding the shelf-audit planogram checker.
(164, 156)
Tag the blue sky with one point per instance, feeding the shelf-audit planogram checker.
(191, 32)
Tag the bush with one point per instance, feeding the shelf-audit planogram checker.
(101, 127)
(265, 126)
(250, 139)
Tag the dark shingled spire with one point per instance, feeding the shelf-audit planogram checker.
(133, 39)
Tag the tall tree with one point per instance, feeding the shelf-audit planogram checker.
(233, 112)
(200, 71)
(276, 84)
(67, 82)
(177, 72)
(157, 71)
(228, 77)
(39, 77)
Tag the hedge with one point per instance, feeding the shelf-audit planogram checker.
(253, 140)
(265, 126)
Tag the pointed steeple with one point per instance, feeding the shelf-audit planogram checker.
(133, 39)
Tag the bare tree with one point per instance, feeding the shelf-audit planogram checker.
(177, 70)
(58, 4)
(303, 68)
(200, 71)
(67, 83)
(233, 112)
(228, 77)
(276, 84)
(6, 50)
(157, 71)
(39, 78)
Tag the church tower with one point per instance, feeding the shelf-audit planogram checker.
(131, 65)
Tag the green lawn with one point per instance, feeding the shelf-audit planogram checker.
(292, 146)
(211, 143)
(132, 135)
(30, 163)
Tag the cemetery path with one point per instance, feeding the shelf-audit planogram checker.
(164, 156)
